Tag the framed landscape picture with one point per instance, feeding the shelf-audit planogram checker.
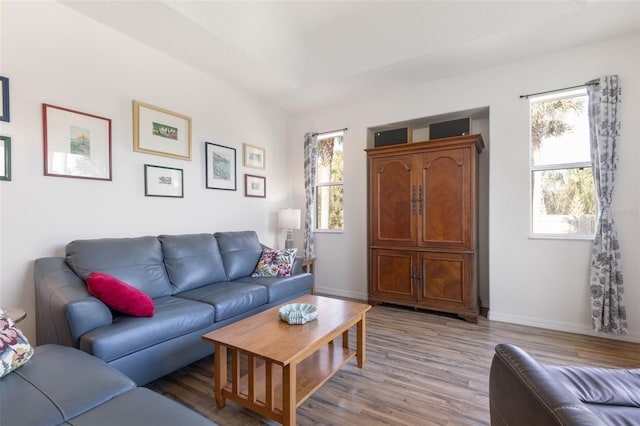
(254, 156)
(220, 167)
(162, 181)
(76, 144)
(255, 186)
(5, 158)
(161, 132)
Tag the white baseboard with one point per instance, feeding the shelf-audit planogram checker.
(558, 325)
(342, 293)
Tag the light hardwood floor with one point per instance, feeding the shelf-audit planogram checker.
(421, 369)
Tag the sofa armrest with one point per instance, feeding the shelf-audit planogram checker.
(296, 268)
(523, 392)
(64, 308)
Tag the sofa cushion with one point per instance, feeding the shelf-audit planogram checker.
(192, 260)
(229, 299)
(46, 399)
(601, 385)
(119, 295)
(136, 261)
(240, 252)
(275, 263)
(174, 316)
(15, 349)
(141, 406)
(615, 414)
(281, 288)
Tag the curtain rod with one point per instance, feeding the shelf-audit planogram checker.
(329, 131)
(588, 83)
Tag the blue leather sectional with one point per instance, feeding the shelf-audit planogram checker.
(198, 283)
(65, 386)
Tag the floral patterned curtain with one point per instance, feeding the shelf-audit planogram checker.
(606, 284)
(310, 156)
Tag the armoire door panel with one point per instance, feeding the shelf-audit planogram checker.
(393, 214)
(445, 220)
(444, 278)
(393, 274)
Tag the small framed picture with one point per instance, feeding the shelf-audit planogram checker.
(76, 144)
(5, 158)
(4, 101)
(162, 181)
(255, 186)
(220, 167)
(161, 132)
(254, 156)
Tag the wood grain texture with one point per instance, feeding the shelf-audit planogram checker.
(421, 369)
(422, 204)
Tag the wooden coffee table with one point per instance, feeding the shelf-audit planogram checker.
(275, 366)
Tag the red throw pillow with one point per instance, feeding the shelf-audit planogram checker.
(119, 295)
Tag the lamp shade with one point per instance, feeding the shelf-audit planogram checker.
(289, 219)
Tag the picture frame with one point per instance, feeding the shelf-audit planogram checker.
(76, 144)
(255, 186)
(159, 131)
(4, 102)
(220, 167)
(5, 158)
(254, 156)
(161, 181)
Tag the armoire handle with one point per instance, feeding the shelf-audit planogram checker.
(413, 200)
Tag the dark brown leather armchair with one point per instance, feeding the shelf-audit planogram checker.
(524, 392)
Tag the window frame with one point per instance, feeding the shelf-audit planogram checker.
(565, 94)
(317, 185)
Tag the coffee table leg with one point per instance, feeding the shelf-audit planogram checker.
(289, 395)
(220, 373)
(361, 342)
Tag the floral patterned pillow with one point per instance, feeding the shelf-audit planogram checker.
(15, 349)
(275, 263)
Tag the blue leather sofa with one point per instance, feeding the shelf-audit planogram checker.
(198, 283)
(61, 385)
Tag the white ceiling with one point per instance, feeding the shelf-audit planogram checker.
(301, 55)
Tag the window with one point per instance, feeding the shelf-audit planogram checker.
(562, 191)
(329, 175)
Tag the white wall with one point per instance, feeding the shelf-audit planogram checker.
(536, 282)
(53, 55)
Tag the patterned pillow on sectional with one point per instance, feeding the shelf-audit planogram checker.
(15, 349)
(275, 263)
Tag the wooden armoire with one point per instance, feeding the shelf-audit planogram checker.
(423, 225)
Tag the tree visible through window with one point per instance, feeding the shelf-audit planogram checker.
(329, 182)
(562, 190)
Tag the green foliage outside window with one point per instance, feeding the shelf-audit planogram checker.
(563, 193)
(329, 190)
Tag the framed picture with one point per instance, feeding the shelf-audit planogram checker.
(163, 181)
(253, 156)
(255, 186)
(4, 102)
(220, 167)
(76, 144)
(5, 158)
(161, 132)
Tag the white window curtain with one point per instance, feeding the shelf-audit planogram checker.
(310, 156)
(606, 283)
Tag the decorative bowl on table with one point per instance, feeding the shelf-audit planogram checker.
(298, 313)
